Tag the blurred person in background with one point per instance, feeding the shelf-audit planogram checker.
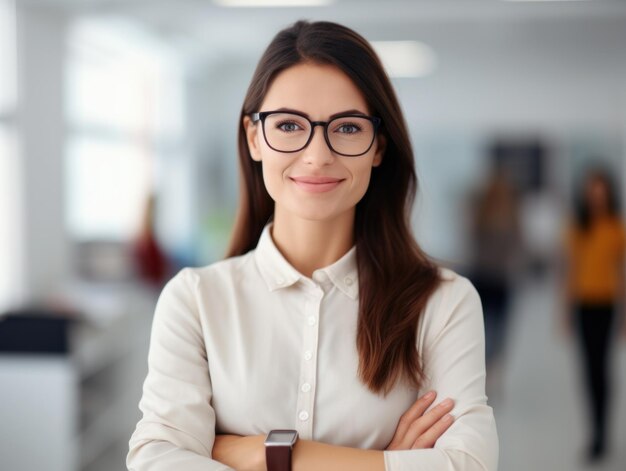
(494, 261)
(595, 292)
(327, 319)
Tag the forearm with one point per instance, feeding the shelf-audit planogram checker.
(161, 455)
(248, 452)
(315, 456)
(312, 456)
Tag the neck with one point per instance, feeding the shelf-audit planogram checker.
(597, 214)
(308, 245)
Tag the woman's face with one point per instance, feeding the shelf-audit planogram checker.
(314, 183)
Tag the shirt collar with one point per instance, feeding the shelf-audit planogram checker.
(279, 273)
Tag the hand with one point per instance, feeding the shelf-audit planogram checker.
(240, 453)
(418, 430)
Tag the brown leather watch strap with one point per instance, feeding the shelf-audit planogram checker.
(278, 458)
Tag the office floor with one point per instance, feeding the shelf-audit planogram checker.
(537, 402)
(539, 405)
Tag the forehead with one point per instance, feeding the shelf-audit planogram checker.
(318, 90)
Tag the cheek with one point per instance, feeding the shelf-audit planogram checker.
(360, 182)
(273, 177)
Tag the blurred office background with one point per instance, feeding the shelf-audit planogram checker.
(118, 166)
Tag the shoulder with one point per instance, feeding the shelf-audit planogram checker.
(194, 288)
(618, 226)
(192, 284)
(453, 288)
(229, 270)
(619, 234)
(454, 306)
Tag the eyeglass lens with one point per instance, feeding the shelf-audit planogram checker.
(348, 135)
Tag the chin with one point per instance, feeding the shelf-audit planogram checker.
(317, 213)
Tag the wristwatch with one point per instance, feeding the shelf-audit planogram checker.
(278, 447)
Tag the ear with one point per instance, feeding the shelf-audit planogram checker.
(381, 146)
(252, 137)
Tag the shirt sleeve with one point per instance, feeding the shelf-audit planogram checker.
(177, 430)
(454, 361)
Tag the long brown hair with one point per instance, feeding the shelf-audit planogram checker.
(395, 276)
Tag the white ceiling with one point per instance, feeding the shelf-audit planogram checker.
(528, 61)
(208, 25)
(205, 30)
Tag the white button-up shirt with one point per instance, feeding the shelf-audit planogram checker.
(248, 344)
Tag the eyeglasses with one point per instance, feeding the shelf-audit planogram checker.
(350, 135)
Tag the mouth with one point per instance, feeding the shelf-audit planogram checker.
(316, 184)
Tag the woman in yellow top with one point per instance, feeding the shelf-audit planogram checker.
(596, 244)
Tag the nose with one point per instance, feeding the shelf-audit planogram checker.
(317, 152)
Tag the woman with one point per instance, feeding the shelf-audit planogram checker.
(495, 252)
(596, 244)
(326, 318)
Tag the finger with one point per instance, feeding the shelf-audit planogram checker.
(425, 422)
(430, 436)
(414, 412)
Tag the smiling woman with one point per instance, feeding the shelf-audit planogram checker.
(297, 160)
(326, 328)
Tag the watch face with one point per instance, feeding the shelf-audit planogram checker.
(281, 437)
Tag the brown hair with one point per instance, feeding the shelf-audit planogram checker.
(395, 276)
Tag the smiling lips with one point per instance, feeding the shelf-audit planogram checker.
(316, 184)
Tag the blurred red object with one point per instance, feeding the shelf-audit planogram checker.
(150, 260)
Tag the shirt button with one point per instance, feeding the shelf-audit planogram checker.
(308, 355)
(280, 281)
(303, 415)
(311, 320)
(348, 281)
(306, 387)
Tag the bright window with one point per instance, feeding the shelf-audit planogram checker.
(124, 110)
(112, 178)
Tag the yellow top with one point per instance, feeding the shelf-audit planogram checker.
(596, 259)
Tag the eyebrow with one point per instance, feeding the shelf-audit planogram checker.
(332, 116)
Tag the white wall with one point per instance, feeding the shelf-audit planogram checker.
(562, 80)
(38, 430)
(41, 49)
(10, 237)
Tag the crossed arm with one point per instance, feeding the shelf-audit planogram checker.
(416, 429)
(178, 424)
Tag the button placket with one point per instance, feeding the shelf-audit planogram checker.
(308, 365)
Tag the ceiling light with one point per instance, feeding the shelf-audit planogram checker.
(406, 58)
(273, 3)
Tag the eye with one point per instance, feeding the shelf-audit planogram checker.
(288, 126)
(348, 128)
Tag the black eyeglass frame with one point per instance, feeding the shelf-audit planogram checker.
(260, 116)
